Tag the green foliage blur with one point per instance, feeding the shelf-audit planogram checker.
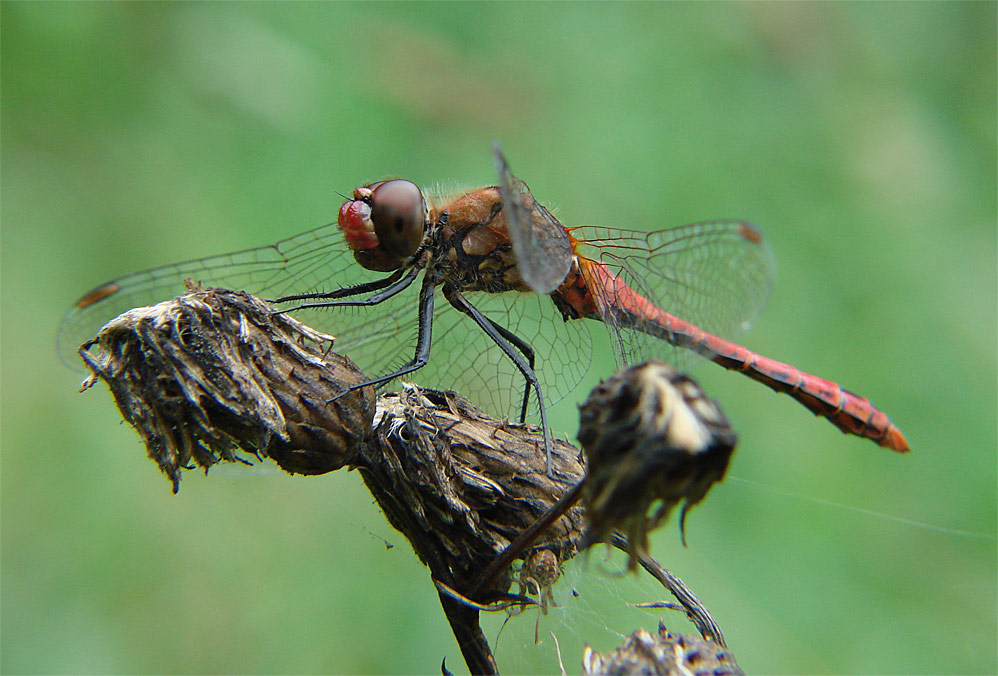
(861, 137)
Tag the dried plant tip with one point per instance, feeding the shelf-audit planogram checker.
(650, 436)
(213, 372)
(662, 653)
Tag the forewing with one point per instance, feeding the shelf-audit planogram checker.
(541, 245)
(317, 260)
(715, 274)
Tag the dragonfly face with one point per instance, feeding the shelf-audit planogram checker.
(384, 223)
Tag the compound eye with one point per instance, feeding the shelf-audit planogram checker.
(398, 215)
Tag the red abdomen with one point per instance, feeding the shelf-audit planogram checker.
(595, 292)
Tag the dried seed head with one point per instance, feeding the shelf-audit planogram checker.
(650, 436)
(213, 372)
(662, 653)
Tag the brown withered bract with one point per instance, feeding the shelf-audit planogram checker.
(650, 435)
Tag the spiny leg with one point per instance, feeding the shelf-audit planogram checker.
(528, 352)
(499, 338)
(423, 335)
(385, 288)
(389, 287)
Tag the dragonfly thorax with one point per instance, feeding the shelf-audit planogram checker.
(473, 249)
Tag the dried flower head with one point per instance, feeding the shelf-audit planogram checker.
(213, 372)
(650, 436)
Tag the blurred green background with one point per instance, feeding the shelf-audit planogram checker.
(861, 137)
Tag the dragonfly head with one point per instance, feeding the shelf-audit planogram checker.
(384, 223)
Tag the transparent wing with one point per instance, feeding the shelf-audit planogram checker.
(541, 245)
(379, 338)
(715, 274)
(562, 351)
(311, 261)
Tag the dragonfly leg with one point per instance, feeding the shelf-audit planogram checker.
(527, 351)
(500, 336)
(384, 288)
(423, 335)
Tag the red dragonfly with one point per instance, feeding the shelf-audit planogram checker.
(505, 262)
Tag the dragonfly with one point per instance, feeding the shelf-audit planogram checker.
(533, 287)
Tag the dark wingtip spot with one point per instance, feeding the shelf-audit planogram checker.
(750, 232)
(98, 294)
